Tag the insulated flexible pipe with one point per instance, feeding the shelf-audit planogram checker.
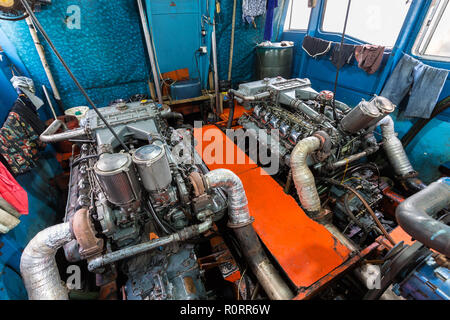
(394, 148)
(415, 216)
(38, 266)
(303, 177)
(240, 220)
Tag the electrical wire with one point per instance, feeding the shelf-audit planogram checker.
(364, 202)
(60, 58)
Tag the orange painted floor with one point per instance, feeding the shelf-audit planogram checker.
(304, 249)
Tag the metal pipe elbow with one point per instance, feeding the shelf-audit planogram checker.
(49, 135)
(271, 281)
(415, 216)
(237, 199)
(38, 266)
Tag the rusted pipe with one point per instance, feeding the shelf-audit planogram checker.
(240, 221)
(84, 232)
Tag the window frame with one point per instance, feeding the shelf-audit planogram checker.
(422, 36)
(289, 18)
(353, 38)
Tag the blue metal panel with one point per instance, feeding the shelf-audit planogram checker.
(428, 282)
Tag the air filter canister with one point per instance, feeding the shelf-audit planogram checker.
(384, 105)
(117, 178)
(360, 117)
(153, 167)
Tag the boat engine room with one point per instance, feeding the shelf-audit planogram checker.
(228, 150)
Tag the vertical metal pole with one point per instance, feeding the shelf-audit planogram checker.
(233, 22)
(150, 51)
(49, 102)
(216, 73)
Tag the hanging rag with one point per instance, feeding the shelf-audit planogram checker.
(315, 47)
(369, 57)
(19, 144)
(345, 53)
(423, 83)
(26, 85)
(26, 110)
(13, 198)
(7, 221)
(268, 28)
(252, 9)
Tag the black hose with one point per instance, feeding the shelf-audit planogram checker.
(231, 106)
(77, 161)
(60, 58)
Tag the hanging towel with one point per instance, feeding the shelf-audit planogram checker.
(268, 28)
(346, 54)
(369, 57)
(252, 9)
(315, 47)
(423, 83)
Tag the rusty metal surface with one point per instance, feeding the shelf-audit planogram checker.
(84, 232)
(305, 250)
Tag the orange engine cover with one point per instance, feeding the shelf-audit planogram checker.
(309, 255)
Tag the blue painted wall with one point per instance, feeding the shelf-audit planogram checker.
(431, 147)
(43, 202)
(106, 53)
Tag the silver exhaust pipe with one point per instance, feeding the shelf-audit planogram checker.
(394, 148)
(38, 266)
(415, 216)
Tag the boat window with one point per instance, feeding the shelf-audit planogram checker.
(371, 21)
(433, 41)
(297, 17)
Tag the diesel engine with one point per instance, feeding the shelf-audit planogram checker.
(322, 146)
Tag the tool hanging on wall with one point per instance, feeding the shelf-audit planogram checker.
(48, 72)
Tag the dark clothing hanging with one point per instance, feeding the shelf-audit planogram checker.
(315, 47)
(25, 109)
(369, 57)
(19, 144)
(346, 54)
